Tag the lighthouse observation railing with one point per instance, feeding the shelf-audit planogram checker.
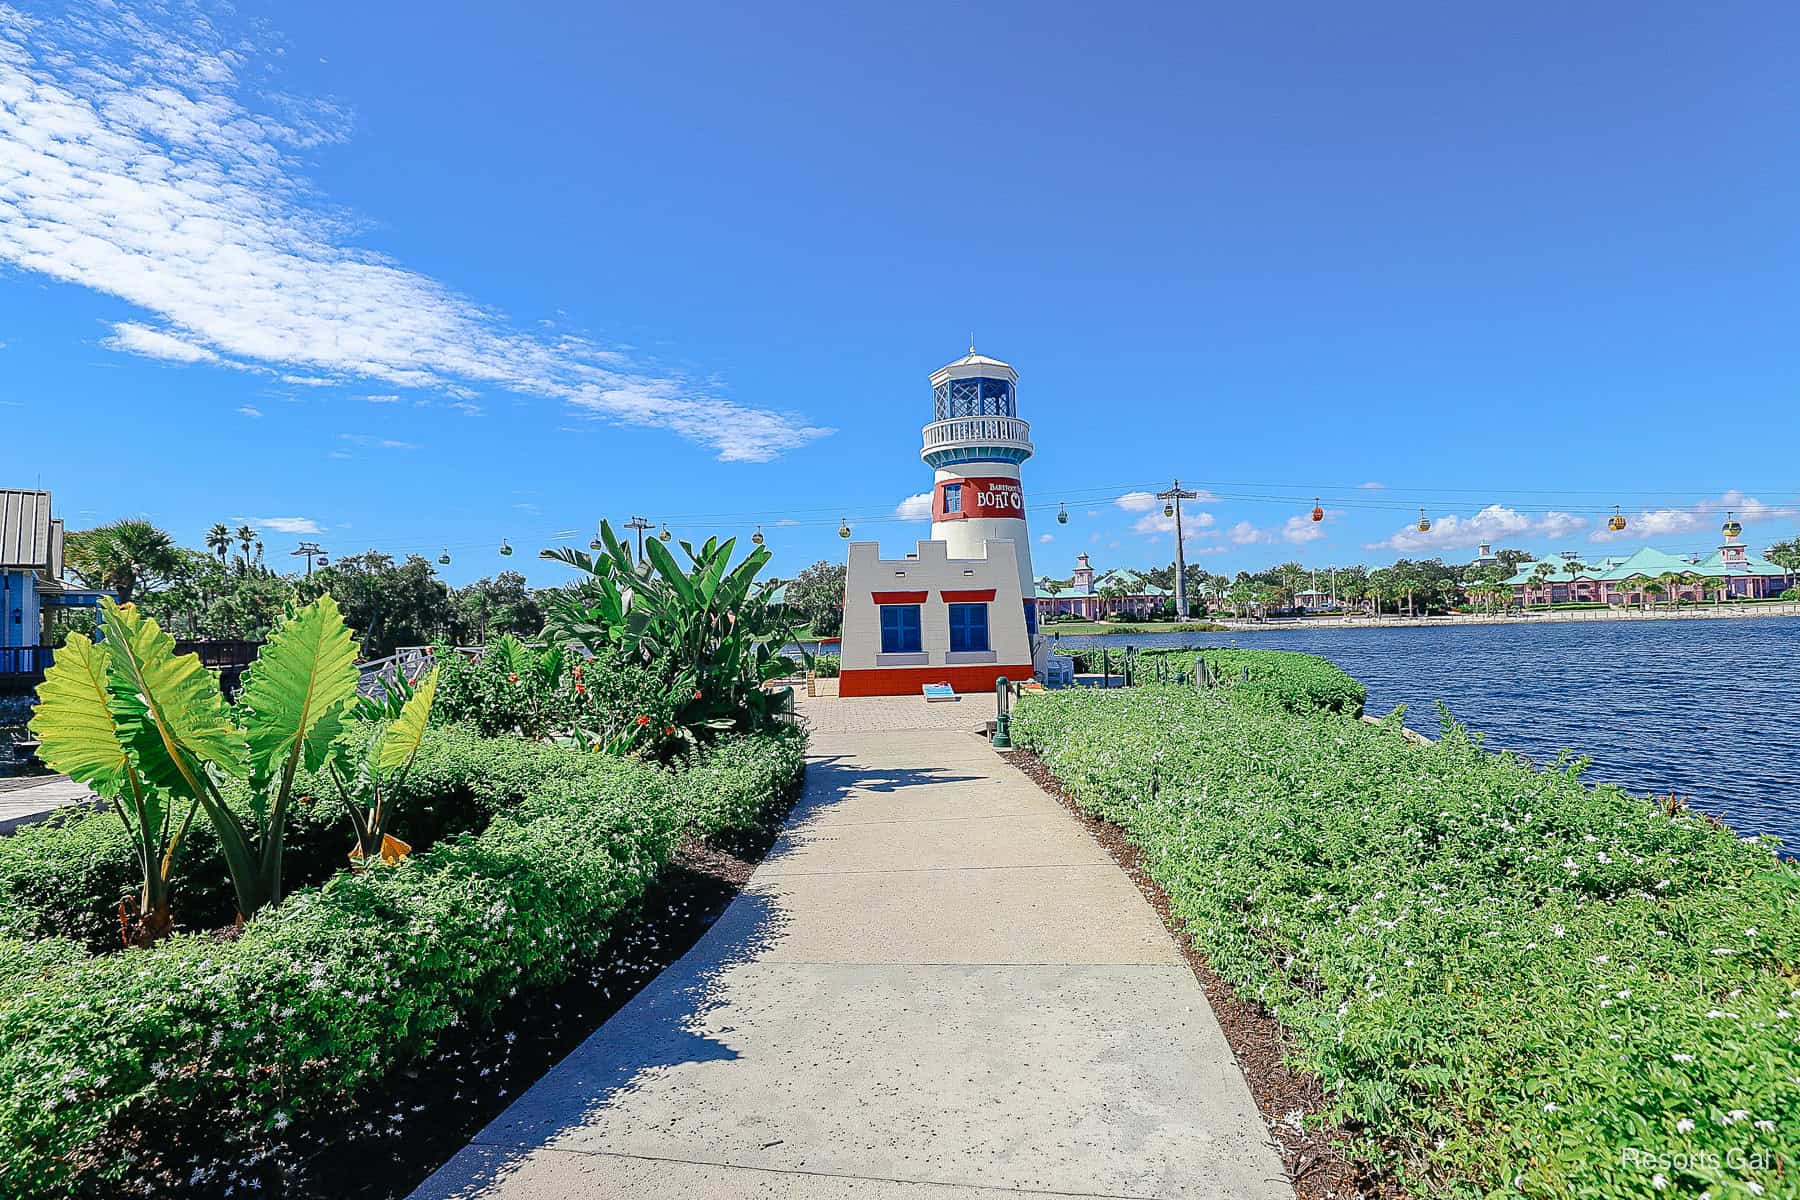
(1009, 430)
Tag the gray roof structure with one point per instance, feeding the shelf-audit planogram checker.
(30, 538)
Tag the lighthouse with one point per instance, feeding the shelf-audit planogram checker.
(976, 443)
(959, 610)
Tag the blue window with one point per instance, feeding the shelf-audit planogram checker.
(900, 629)
(968, 627)
(996, 398)
(953, 497)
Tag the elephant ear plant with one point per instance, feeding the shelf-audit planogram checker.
(149, 731)
(368, 771)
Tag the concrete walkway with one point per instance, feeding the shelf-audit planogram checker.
(24, 805)
(936, 987)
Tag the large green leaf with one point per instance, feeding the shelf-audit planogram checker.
(295, 696)
(170, 714)
(73, 721)
(401, 741)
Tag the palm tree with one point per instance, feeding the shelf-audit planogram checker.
(1574, 567)
(1540, 576)
(122, 557)
(246, 537)
(1652, 589)
(1670, 581)
(218, 540)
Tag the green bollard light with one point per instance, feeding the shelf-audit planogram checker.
(1002, 718)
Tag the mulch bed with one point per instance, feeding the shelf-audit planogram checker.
(395, 1135)
(1315, 1155)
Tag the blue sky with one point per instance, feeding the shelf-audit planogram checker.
(425, 277)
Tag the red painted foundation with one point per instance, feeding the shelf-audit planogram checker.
(906, 681)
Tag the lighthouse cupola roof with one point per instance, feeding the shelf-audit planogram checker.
(975, 413)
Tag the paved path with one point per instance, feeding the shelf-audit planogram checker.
(936, 987)
(23, 805)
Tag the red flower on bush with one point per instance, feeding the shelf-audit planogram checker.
(696, 693)
(643, 720)
(513, 678)
(578, 670)
(581, 689)
(668, 730)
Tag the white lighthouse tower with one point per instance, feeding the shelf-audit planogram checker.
(959, 611)
(976, 442)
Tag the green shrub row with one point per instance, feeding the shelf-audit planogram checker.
(65, 877)
(1537, 987)
(339, 984)
(1298, 682)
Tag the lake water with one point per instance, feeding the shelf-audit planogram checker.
(1706, 709)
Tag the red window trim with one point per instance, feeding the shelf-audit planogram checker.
(899, 597)
(970, 596)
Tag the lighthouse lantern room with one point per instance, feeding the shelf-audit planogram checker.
(961, 610)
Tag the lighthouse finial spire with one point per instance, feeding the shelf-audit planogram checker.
(971, 341)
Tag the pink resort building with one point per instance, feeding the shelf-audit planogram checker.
(1730, 572)
(1094, 596)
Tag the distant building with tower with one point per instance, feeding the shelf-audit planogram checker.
(1095, 595)
(961, 608)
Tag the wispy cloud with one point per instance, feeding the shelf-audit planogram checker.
(139, 157)
(1455, 532)
(914, 508)
(1372, 486)
(248, 411)
(280, 524)
(307, 381)
(364, 439)
(383, 398)
(129, 336)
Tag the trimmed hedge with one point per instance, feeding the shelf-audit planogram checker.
(1297, 682)
(1537, 987)
(338, 985)
(64, 877)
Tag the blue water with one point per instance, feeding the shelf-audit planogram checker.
(1706, 709)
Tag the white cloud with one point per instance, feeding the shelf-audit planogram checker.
(307, 381)
(1663, 522)
(1093, 512)
(1372, 486)
(1044, 538)
(1490, 525)
(1246, 534)
(1302, 529)
(914, 508)
(785, 521)
(248, 411)
(140, 157)
(129, 336)
(467, 409)
(1194, 524)
(385, 398)
(280, 524)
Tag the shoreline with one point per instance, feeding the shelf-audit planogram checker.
(1719, 613)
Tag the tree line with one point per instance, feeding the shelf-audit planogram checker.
(227, 590)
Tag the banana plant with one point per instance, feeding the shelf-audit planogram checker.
(713, 620)
(181, 743)
(367, 771)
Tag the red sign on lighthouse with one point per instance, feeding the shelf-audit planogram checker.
(986, 496)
